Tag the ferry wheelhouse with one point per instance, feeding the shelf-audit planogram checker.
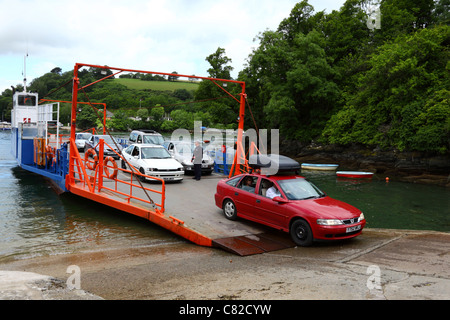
(33, 146)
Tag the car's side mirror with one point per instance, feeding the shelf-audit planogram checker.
(280, 200)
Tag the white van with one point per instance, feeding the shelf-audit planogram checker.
(145, 136)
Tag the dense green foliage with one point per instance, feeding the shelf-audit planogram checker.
(402, 100)
(349, 76)
(331, 78)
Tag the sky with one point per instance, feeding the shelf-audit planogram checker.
(151, 35)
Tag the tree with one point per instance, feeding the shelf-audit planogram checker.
(6, 105)
(86, 118)
(401, 101)
(223, 111)
(346, 32)
(183, 94)
(157, 113)
(56, 70)
(173, 77)
(295, 82)
(219, 65)
(441, 12)
(142, 113)
(301, 20)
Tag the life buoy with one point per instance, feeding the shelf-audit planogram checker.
(112, 175)
(50, 154)
(87, 161)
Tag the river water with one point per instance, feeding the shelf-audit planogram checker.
(35, 221)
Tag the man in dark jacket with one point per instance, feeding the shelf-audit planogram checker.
(197, 160)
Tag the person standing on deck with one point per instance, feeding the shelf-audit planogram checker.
(197, 160)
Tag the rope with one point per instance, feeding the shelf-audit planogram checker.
(65, 84)
(254, 121)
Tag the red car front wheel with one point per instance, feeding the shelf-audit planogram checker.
(301, 233)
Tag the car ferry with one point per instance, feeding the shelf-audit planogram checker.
(96, 176)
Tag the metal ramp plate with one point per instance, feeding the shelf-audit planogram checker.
(254, 244)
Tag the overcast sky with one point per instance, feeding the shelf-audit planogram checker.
(152, 35)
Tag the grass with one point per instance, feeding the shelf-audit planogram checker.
(156, 85)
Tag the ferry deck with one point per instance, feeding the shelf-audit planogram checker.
(187, 208)
(190, 209)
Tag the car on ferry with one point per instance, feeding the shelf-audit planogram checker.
(153, 160)
(81, 138)
(183, 151)
(290, 203)
(112, 149)
(145, 136)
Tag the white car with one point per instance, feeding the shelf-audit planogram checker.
(153, 160)
(182, 152)
(81, 138)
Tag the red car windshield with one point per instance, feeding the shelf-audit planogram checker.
(300, 189)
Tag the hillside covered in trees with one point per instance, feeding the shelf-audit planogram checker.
(331, 78)
(372, 73)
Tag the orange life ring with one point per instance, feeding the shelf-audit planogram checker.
(87, 161)
(50, 152)
(113, 175)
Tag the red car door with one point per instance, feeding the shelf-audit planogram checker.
(267, 210)
(244, 196)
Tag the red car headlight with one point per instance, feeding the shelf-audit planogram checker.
(329, 222)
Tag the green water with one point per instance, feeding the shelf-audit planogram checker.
(35, 221)
(395, 205)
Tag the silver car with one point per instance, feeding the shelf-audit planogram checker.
(182, 152)
(81, 138)
(94, 141)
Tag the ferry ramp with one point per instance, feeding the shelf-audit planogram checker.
(190, 205)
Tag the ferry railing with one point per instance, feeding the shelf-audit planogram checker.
(50, 159)
(95, 175)
(57, 140)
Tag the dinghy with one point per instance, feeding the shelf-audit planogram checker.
(313, 166)
(354, 174)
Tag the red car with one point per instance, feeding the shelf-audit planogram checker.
(289, 203)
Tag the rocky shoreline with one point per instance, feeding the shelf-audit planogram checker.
(414, 167)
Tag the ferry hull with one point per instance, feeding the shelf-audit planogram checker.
(23, 149)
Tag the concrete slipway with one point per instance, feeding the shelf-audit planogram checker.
(379, 264)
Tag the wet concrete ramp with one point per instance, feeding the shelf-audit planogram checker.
(192, 206)
(255, 243)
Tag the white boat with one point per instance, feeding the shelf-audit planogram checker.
(5, 126)
(320, 166)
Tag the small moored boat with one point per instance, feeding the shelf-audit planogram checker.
(319, 166)
(354, 174)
